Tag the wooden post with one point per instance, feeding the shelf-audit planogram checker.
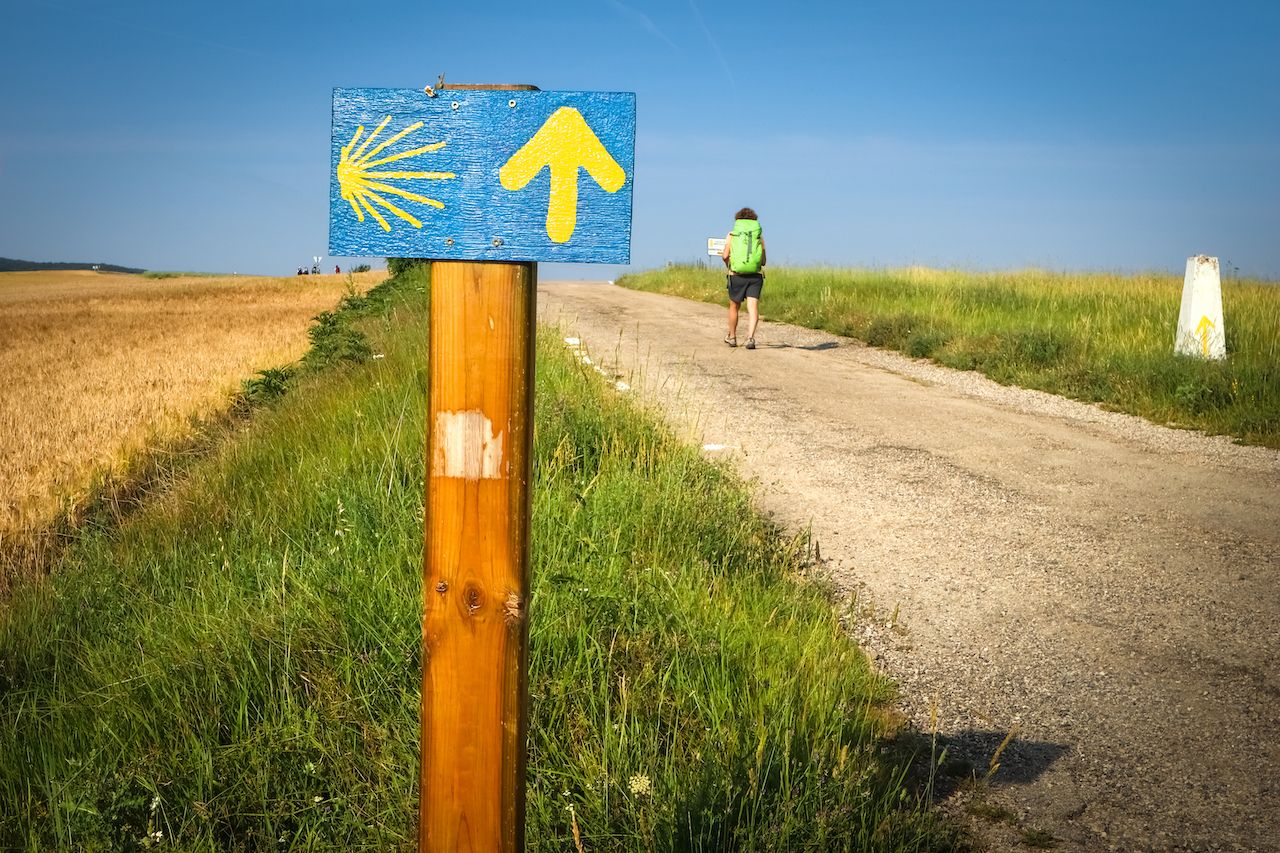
(476, 563)
(494, 216)
(475, 627)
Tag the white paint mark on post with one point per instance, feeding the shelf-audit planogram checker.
(1200, 330)
(465, 447)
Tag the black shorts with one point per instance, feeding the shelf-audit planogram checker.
(742, 286)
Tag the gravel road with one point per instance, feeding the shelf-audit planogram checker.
(1103, 587)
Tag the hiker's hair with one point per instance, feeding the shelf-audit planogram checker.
(745, 213)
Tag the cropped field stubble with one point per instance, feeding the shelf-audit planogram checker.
(1097, 337)
(95, 367)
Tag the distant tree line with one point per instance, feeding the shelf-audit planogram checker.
(14, 265)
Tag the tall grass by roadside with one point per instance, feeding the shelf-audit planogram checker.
(236, 665)
(1095, 337)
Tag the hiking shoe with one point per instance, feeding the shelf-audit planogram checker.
(751, 343)
(731, 341)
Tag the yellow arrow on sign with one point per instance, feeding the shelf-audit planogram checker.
(1206, 326)
(563, 144)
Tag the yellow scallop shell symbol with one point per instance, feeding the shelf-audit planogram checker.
(363, 185)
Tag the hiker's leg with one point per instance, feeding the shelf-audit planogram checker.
(733, 318)
(753, 316)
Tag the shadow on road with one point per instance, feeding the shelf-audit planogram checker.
(971, 755)
(811, 347)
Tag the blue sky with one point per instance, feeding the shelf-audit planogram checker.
(984, 135)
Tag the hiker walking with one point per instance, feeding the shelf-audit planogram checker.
(744, 256)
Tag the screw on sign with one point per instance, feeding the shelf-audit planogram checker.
(484, 181)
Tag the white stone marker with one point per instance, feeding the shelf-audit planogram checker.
(1200, 331)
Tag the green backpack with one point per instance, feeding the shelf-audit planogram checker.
(746, 251)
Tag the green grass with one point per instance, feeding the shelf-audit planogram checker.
(235, 665)
(1039, 838)
(1095, 337)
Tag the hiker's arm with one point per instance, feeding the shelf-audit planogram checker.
(724, 253)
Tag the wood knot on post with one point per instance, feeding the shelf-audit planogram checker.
(473, 598)
(442, 587)
(513, 610)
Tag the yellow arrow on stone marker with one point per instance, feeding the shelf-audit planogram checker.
(1206, 326)
(564, 144)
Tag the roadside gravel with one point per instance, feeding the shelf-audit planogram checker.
(1102, 587)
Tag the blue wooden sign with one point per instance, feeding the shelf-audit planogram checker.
(482, 175)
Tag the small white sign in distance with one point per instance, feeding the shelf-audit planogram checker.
(1201, 333)
(715, 246)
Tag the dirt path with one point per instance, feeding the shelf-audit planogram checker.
(1108, 587)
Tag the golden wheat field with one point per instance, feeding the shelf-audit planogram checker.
(95, 366)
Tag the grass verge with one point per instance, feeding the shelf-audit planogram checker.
(236, 664)
(1095, 337)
